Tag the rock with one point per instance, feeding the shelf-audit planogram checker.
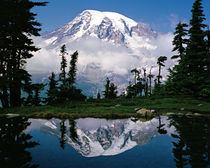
(12, 115)
(182, 109)
(188, 114)
(137, 109)
(145, 112)
(153, 111)
(170, 113)
(200, 105)
(144, 119)
(118, 105)
(197, 114)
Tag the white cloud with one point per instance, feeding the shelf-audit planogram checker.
(107, 56)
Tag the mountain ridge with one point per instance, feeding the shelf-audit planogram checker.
(109, 45)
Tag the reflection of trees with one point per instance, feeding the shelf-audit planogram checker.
(63, 134)
(160, 128)
(14, 142)
(179, 152)
(63, 131)
(73, 131)
(192, 141)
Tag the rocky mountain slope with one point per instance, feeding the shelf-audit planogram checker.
(109, 45)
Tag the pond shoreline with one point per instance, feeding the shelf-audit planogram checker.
(115, 108)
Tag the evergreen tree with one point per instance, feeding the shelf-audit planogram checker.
(29, 90)
(145, 81)
(180, 41)
(130, 91)
(205, 90)
(150, 76)
(176, 75)
(52, 93)
(72, 69)
(106, 91)
(63, 54)
(17, 25)
(208, 49)
(191, 76)
(37, 89)
(67, 89)
(98, 96)
(160, 63)
(112, 91)
(196, 50)
(136, 73)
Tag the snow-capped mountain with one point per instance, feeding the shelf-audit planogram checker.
(108, 26)
(109, 45)
(99, 137)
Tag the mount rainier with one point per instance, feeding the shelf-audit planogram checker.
(109, 45)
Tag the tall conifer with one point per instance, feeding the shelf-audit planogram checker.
(196, 50)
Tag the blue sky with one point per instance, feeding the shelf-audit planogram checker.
(162, 15)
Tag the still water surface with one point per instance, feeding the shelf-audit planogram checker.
(162, 142)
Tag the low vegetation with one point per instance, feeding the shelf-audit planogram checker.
(190, 76)
(114, 108)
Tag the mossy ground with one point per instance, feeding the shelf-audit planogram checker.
(114, 108)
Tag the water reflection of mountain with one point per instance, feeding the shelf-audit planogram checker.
(99, 137)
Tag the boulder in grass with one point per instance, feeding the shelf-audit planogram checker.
(9, 115)
(137, 109)
(145, 112)
(197, 114)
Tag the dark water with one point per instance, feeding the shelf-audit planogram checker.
(162, 142)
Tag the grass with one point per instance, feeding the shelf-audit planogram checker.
(116, 108)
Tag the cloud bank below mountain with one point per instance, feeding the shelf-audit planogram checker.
(108, 56)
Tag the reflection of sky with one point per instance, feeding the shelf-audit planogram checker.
(88, 124)
(154, 152)
(93, 124)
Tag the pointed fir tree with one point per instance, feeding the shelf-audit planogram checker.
(98, 96)
(106, 91)
(52, 92)
(72, 69)
(177, 73)
(180, 40)
(37, 88)
(208, 50)
(136, 73)
(160, 63)
(150, 76)
(67, 90)
(63, 54)
(112, 91)
(196, 50)
(17, 25)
